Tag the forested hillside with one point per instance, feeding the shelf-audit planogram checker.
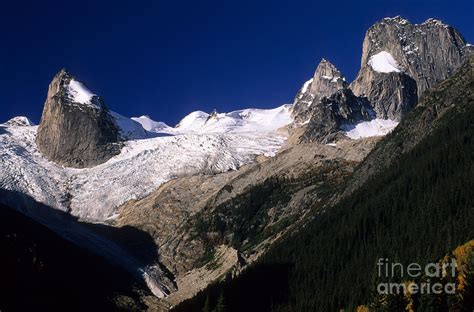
(416, 210)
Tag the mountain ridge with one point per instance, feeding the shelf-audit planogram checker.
(216, 191)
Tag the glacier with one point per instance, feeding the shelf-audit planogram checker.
(206, 144)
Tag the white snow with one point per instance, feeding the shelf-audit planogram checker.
(432, 21)
(79, 93)
(129, 128)
(150, 125)
(375, 127)
(306, 85)
(251, 120)
(196, 146)
(20, 121)
(398, 19)
(333, 79)
(383, 62)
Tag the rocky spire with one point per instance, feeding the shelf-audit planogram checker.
(327, 80)
(76, 128)
(401, 60)
(332, 112)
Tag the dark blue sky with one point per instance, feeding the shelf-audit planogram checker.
(168, 58)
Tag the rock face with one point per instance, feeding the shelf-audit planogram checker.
(327, 79)
(391, 94)
(454, 96)
(396, 54)
(76, 128)
(192, 217)
(342, 107)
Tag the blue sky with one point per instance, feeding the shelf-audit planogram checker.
(168, 58)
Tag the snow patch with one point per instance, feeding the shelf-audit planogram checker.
(129, 129)
(305, 87)
(79, 93)
(435, 22)
(397, 19)
(383, 62)
(150, 125)
(375, 127)
(20, 121)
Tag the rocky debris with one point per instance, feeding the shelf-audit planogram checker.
(76, 128)
(179, 215)
(327, 79)
(396, 54)
(225, 259)
(342, 107)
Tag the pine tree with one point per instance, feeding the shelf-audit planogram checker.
(206, 307)
(220, 307)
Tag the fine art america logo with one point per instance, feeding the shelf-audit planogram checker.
(432, 271)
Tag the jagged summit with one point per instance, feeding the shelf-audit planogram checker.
(20, 121)
(326, 80)
(402, 21)
(401, 60)
(76, 127)
(73, 91)
(396, 19)
(435, 22)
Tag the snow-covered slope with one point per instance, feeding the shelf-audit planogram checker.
(129, 128)
(79, 93)
(374, 127)
(204, 145)
(240, 121)
(20, 121)
(150, 125)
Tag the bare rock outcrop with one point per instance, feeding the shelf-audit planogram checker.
(327, 79)
(76, 128)
(397, 54)
(332, 112)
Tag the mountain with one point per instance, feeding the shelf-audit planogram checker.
(333, 113)
(401, 60)
(185, 206)
(36, 276)
(77, 129)
(249, 120)
(416, 207)
(20, 121)
(150, 125)
(327, 79)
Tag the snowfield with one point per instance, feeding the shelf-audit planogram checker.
(375, 127)
(205, 145)
(200, 144)
(383, 62)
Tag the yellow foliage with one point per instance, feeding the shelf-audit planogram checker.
(461, 254)
(362, 308)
